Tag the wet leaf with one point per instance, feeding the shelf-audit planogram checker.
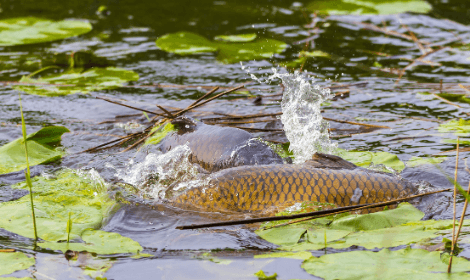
(455, 97)
(417, 161)
(386, 264)
(361, 7)
(364, 159)
(84, 194)
(458, 127)
(298, 255)
(40, 149)
(11, 262)
(304, 56)
(262, 276)
(77, 80)
(32, 30)
(100, 242)
(159, 134)
(282, 235)
(185, 43)
(236, 38)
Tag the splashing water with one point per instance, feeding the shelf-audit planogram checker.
(304, 125)
(158, 172)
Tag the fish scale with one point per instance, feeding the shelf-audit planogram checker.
(253, 188)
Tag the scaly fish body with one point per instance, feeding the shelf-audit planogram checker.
(253, 188)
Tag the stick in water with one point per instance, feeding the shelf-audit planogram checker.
(309, 214)
(454, 239)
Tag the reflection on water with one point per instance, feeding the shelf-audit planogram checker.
(127, 37)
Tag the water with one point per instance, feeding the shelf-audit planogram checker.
(127, 37)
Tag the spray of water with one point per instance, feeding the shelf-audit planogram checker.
(304, 125)
(158, 172)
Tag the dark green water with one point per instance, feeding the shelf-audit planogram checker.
(127, 37)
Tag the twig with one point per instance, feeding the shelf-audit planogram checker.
(309, 214)
(208, 100)
(204, 96)
(244, 117)
(167, 112)
(259, 129)
(449, 268)
(128, 106)
(467, 149)
(356, 123)
(445, 100)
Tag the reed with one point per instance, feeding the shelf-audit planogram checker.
(27, 172)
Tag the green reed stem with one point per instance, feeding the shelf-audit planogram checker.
(27, 173)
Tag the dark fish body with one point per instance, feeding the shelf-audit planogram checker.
(215, 148)
(253, 188)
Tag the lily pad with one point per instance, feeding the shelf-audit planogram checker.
(76, 80)
(40, 149)
(386, 264)
(290, 255)
(303, 57)
(368, 7)
(15, 261)
(389, 228)
(32, 30)
(417, 161)
(100, 242)
(236, 38)
(185, 43)
(84, 194)
(458, 127)
(364, 159)
(455, 97)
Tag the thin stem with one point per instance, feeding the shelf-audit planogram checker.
(454, 239)
(27, 172)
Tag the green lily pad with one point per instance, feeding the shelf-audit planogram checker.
(32, 30)
(417, 161)
(185, 43)
(159, 133)
(100, 242)
(462, 141)
(11, 262)
(391, 228)
(236, 38)
(455, 97)
(386, 264)
(76, 80)
(361, 7)
(40, 149)
(262, 276)
(83, 194)
(458, 127)
(290, 255)
(364, 159)
(303, 57)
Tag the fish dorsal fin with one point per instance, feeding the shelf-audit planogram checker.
(320, 160)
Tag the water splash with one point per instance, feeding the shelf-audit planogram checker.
(158, 172)
(304, 125)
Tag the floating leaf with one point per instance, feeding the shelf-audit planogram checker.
(159, 134)
(459, 127)
(185, 43)
(262, 276)
(389, 228)
(364, 159)
(40, 149)
(298, 255)
(386, 264)
(100, 242)
(462, 141)
(32, 30)
(236, 38)
(76, 80)
(455, 97)
(11, 262)
(417, 161)
(54, 197)
(303, 57)
(361, 7)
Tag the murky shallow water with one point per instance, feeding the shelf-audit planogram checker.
(127, 37)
